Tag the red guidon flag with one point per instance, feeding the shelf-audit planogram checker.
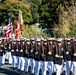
(9, 29)
(17, 30)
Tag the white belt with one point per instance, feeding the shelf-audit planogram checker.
(36, 53)
(43, 55)
(61, 56)
(16, 50)
(1, 50)
(21, 50)
(74, 54)
(49, 53)
(1, 45)
(12, 50)
(58, 56)
(31, 51)
(26, 51)
(67, 52)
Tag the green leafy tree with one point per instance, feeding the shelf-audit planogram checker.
(66, 24)
(33, 31)
(48, 12)
(37, 2)
(72, 32)
(14, 6)
(34, 9)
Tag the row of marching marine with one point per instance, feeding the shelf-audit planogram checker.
(41, 55)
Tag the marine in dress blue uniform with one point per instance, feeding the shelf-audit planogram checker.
(59, 56)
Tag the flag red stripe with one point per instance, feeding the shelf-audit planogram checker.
(17, 30)
(9, 32)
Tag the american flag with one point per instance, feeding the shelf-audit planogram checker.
(9, 29)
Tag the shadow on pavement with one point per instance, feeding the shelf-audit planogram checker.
(5, 71)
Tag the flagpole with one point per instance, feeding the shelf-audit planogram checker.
(20, 22)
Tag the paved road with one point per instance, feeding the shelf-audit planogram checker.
(7, 70)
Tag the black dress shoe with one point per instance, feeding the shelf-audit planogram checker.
(18, 69)
(22, 71)
(14, 68)
(63, 73)
(26, 72)
(54, 73)
(71, 73)
(32, 74)
(2, 64)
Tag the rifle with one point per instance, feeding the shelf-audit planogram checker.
(49, 49)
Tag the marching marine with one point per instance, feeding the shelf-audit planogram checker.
(50, 55)
(44, 57)
(32, 54)
(13, 52)
(9, 51)
(22, 63)
(5, 56)
(37, 56)
(74, 56)
(68, 51)
(27, 55)
(59, 56)
(18, 48)
(1, 51)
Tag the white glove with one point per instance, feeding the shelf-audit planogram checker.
(43, 54)
(56, 55)
(36, 53)
(67, 52)
(21, 50)
(12, 50)
(49, 53)
(26, 51)
(31, 51)
(74, 54)
(16, 50)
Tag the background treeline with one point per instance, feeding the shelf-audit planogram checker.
(57, 15)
